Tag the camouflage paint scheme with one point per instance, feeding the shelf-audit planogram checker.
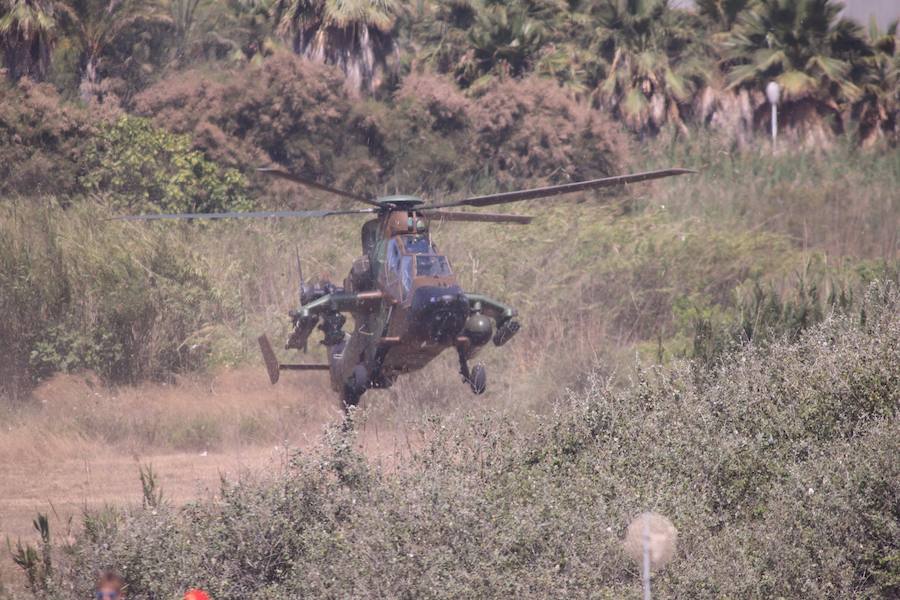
(407, 308)
(406, 303)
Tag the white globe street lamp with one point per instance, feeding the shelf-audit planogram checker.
(773, 94)
(650, 540)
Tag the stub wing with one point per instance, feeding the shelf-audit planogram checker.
(329, 309)
(340, 302)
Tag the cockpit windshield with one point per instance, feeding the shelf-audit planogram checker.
(432, 266)
(417, 252)
(417, 244)
(399, 266)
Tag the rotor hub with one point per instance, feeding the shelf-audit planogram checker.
(400, 202)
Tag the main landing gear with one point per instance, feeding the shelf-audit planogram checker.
(476, 377)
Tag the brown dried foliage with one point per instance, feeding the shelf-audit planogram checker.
(41, 140)
(297, 113)
(287, 110)
(531, 128)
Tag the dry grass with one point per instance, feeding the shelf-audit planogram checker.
(594, 285)
(777, 467)
(842, 201)
(79, 445)
(231, 410)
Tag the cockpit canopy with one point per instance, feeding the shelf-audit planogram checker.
(432, 265)
(417, 244)
(410, 256)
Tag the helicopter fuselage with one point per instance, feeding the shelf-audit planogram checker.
(406, 303)
(407, 308)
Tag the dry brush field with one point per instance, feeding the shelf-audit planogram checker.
(631, 387)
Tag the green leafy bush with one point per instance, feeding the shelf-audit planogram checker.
(81, 292)
(137, 166)
(778, 467)
(764, 311)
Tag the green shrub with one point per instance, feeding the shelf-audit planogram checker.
(82, 292)
(763, 311)
(778, 467)
(137, 166)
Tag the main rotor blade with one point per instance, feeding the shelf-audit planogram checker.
(314, 184)
(443, 215)
(263, 214)
(556, 190)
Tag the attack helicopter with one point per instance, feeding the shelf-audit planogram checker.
(407, 304)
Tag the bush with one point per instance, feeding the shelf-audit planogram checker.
(80, 292)
(137, 166)
(778, 467)
(531, 129)
(42, 140)
(763, 311)
(431, 137)
(424, 140)
(287, 110)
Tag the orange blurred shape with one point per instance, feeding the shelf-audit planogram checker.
(196, 595)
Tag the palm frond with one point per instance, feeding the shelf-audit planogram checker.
(677, 85)
(796, 85)
(634, 106)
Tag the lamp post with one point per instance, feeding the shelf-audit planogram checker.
(773, 93)
(650, 540)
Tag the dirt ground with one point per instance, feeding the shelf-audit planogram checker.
(62, 489)
(53, 459)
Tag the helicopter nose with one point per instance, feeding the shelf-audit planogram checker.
(438, 313)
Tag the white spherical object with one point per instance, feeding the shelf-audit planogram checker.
(662, 538)
(773, 92)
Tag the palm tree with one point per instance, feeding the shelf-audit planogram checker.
(185, 15)
(877, 109)
(805, 47)
(503, 40)
(236, 30)
(27, 33)
(440, 31)
(654, 62)
(477, 40)
(723, 13)
(355, 35)
(96, 25)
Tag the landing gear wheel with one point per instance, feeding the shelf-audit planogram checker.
(478, 379)
(475, 377)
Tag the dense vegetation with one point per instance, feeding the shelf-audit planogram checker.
(731, 338)
(156, 106)
(168, 105)
(778, 464)
(682, 269)
(647, 63)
